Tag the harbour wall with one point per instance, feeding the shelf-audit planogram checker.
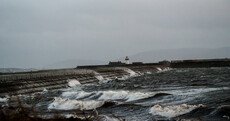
(200, 63)
(37, 81)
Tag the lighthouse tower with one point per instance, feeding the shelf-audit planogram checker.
(127, 60)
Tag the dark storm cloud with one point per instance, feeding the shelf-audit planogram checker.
(37, 33)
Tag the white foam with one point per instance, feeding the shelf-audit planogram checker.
(101, 79)
(3, 100)
(67, 104)
(131, 72)
(138, 95)
(108, 95)
(123, 78)
(148, 72)
(172, 111)
(163, 70)
(98, 76)
(196, 91)
(112, 95)
(159, 69)
(126, 95)
(45, 90)
(76, 94)
(73, 82)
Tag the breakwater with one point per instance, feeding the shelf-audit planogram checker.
(200, 63)
(37, 81)
(194, 63)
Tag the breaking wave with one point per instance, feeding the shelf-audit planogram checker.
(76, 94)
(163, 70)
(67, 104)
(123, 95)
(173, 111)
(131, 72)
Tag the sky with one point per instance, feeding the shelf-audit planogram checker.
(36, 33)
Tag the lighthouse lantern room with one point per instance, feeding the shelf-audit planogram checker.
(127, 60)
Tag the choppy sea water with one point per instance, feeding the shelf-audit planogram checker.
(173, 94)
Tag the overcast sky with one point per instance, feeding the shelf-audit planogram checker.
(35, 33)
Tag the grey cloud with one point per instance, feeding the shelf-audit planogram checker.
(38, 33)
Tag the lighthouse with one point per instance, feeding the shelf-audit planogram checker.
(127, 60)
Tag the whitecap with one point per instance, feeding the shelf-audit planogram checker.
(112, 95)
(125, 95)
(131, 72)
(75, 94)
(172, 111)
(67, 104)
(163, 70)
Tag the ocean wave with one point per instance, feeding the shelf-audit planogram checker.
(95, 117)
(123, 95)
(196, 91)
(163, 70)
(223, 110)
(131, 72)
(76, 94)
(127, 96)
(172, 111)
(67, 104)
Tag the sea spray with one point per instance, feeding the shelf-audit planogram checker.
(163, 70)
(99, 76)
(131, 72)
(73, 82)
(101, 79)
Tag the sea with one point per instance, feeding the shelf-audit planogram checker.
(188, 94)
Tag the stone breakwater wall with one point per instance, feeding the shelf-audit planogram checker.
(200, 63)
(37, 81)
